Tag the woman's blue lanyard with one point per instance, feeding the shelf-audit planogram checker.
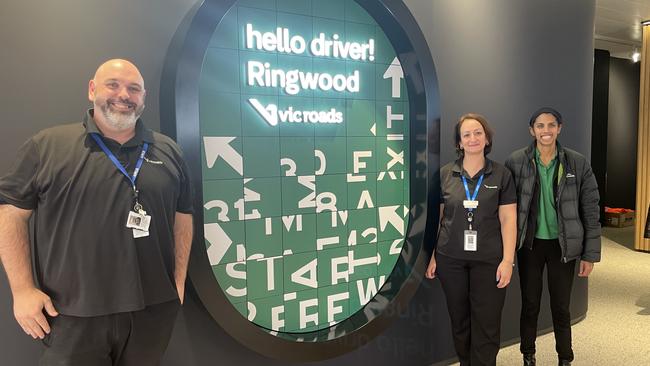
(120, 167)
(470, 214)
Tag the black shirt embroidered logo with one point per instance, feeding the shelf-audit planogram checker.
(157, 162)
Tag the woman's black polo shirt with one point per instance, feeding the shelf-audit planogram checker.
(497, 189)
(86, 259)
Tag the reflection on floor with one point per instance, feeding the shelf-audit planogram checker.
(623, 236)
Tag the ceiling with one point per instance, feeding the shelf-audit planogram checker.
(618, 25)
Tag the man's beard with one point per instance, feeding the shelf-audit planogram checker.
(118, 120)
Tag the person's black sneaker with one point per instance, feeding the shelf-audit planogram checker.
(564, 363)
(529, 359)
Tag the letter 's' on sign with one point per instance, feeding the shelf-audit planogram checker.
(305, 145)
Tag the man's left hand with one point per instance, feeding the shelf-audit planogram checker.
(585, 269)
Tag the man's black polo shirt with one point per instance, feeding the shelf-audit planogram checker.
(87, 261)
(497, 189)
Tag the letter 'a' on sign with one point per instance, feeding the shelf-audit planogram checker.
(306, 133)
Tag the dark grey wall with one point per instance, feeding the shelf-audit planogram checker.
(50, 49)
(622, 131)
(502, 58)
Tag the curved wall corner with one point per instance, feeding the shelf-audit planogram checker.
(505, 59)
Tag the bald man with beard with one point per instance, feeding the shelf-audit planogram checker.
(111, 203)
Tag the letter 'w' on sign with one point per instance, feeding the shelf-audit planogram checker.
(269, 113)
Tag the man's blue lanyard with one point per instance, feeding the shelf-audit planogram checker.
(478, 185)
(117, 163)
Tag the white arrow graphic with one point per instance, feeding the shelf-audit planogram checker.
(219, 242)
(269, 113)
(390, 215)
(220, 146)
(395, 72)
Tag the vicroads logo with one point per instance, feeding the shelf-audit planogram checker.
(272, 115)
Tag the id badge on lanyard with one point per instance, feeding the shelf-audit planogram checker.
(469, 242)
(137, 220)
(470, 236)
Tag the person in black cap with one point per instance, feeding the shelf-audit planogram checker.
(112, 210)
(474, 254)
(557, 224)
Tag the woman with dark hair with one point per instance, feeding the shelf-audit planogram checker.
(474, 254)
(557, 226)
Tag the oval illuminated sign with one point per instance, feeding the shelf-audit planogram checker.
(313, 200)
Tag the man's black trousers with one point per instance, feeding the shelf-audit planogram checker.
(475, 305)
(137, 338)
(560, 281)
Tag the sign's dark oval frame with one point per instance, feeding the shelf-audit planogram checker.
(180, 119)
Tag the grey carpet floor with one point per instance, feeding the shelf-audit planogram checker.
(616, 330)
(623, 236)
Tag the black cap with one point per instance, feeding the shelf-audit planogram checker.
(549, 110)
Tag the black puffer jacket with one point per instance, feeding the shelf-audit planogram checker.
(576, 202)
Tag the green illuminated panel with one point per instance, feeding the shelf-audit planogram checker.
(304, 140)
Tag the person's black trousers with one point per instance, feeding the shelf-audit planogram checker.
(137, 338)
(560, 281)
(475, 304)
